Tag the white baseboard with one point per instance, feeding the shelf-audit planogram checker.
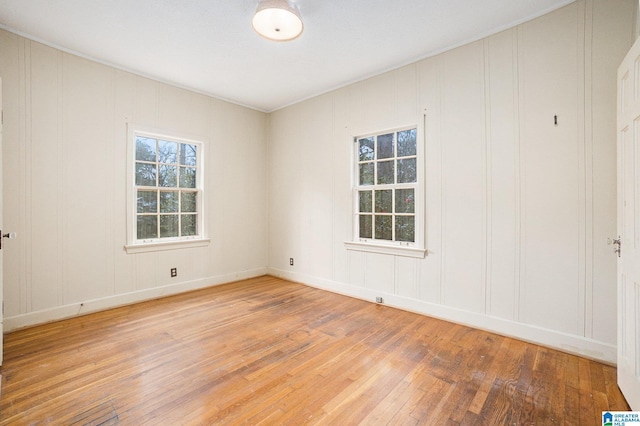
(573, 344)
(89, 306)
(570, 343)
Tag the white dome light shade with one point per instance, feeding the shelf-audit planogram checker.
(277, 20)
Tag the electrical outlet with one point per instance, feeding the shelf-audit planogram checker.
(379, 300)
(174, 272)
(291, 261)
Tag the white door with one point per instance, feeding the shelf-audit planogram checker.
(628, 129)
(1, 232)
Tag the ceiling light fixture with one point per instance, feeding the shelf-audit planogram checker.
(277, 20)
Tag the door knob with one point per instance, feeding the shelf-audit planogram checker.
(9, 235)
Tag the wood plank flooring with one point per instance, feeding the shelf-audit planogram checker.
(268, 351)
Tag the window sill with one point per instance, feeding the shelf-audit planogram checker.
(168, 245)
(386, 249)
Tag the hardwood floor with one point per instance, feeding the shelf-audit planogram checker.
(268, 351)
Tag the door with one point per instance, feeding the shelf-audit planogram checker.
(1, 232)
(628, 129)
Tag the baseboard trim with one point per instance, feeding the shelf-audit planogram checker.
(573, 344)
(89, 306)
(569, 343)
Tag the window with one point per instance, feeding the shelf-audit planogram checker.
(387, 193)
(165, 191)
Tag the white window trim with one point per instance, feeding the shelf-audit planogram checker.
(416, 249)
(396, 250)
(166, 245)
(134, 245)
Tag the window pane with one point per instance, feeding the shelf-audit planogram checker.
(169, 226)
(366, 174)
(188, 201)
(407, 143)
(147, 227)
(187, 154)
(145, 149)
(383, 227)
(147, 202)
(189, 225)
(385, 172)
(168, 176)
(385, 146)
(405, 228)
(366, 201)
(366, 223)
(187, 177)
(384, 200)
(167, 152)
(366, 149)
(145, 174)
(405, 201)
(169, 202)
(407, 170)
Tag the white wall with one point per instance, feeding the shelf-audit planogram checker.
(637, 25)
(65, 129)
(518, 209)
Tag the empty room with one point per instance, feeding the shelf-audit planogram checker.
(319, 212)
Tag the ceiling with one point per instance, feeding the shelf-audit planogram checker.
(209, 45)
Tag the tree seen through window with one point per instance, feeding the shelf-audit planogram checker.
(166, 188)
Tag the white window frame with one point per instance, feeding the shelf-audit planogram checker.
(134, 245)
(414, 249)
